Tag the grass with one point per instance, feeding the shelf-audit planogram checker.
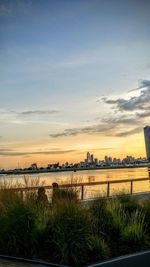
(64, 194)
(129, 203)
(146, 211)
(17, 222)
(69, 245)
(134, 235)
(65, 231)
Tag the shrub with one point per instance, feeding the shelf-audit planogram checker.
(66, 194)
(133, 235)
(128, 203)
(8, 197)
(146, 211)
(17, 223)
(98, 211)
(117, 217)
(109, 218)
(98, 249)
(68, 233)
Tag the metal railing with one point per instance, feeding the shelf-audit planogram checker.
(82, 186)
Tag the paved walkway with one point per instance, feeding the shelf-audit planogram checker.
(6, 262)
(9, 263)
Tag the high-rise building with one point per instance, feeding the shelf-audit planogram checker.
(92, 158)
(88, 157)
(147, 141)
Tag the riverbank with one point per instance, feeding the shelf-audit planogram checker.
(37, 171)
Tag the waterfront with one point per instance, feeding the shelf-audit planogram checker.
(88, 176)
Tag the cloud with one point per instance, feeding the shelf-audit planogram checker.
(38, 112)
(143, 114)
(9, 152)
(111, 127)
(5, 150)
(11, 8)
(121, 120)
(27, 116)
(117, 124)
(143, 84)
(102, 148)
(94, 129)
(141, 102)
(130, 132)
(30, 112)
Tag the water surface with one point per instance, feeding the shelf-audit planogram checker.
(88, 176)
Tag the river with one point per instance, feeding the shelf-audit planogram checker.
(87, 176)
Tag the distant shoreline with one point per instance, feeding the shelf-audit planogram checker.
(19, 172)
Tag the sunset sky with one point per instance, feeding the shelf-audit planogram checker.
(74, 77)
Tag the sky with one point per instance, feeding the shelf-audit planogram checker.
(74, 77)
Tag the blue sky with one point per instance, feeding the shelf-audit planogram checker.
(58, 60)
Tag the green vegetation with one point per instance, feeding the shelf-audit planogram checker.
(66, 231)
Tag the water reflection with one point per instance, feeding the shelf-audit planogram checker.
(90, 176)
(91, 179)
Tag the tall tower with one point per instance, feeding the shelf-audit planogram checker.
(147, 141)
(92, 158)
(88, 157)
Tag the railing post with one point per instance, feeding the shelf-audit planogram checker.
(82, 192)
(108, 188)
(131, 189)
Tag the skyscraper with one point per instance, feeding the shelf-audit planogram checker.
(88, 157)
(92, 158)
(147, 141)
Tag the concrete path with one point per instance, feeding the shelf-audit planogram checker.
(9, 263)
(13, 262)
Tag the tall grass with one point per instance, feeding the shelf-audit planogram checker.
(68, 232)
(122, 223)
(134, 235)
(129, 203)
(65, 231)
(109, 218)
(17, 221)
(64, 194)
(146, 211)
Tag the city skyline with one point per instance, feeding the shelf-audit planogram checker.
(74, 77)
(89, 162)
